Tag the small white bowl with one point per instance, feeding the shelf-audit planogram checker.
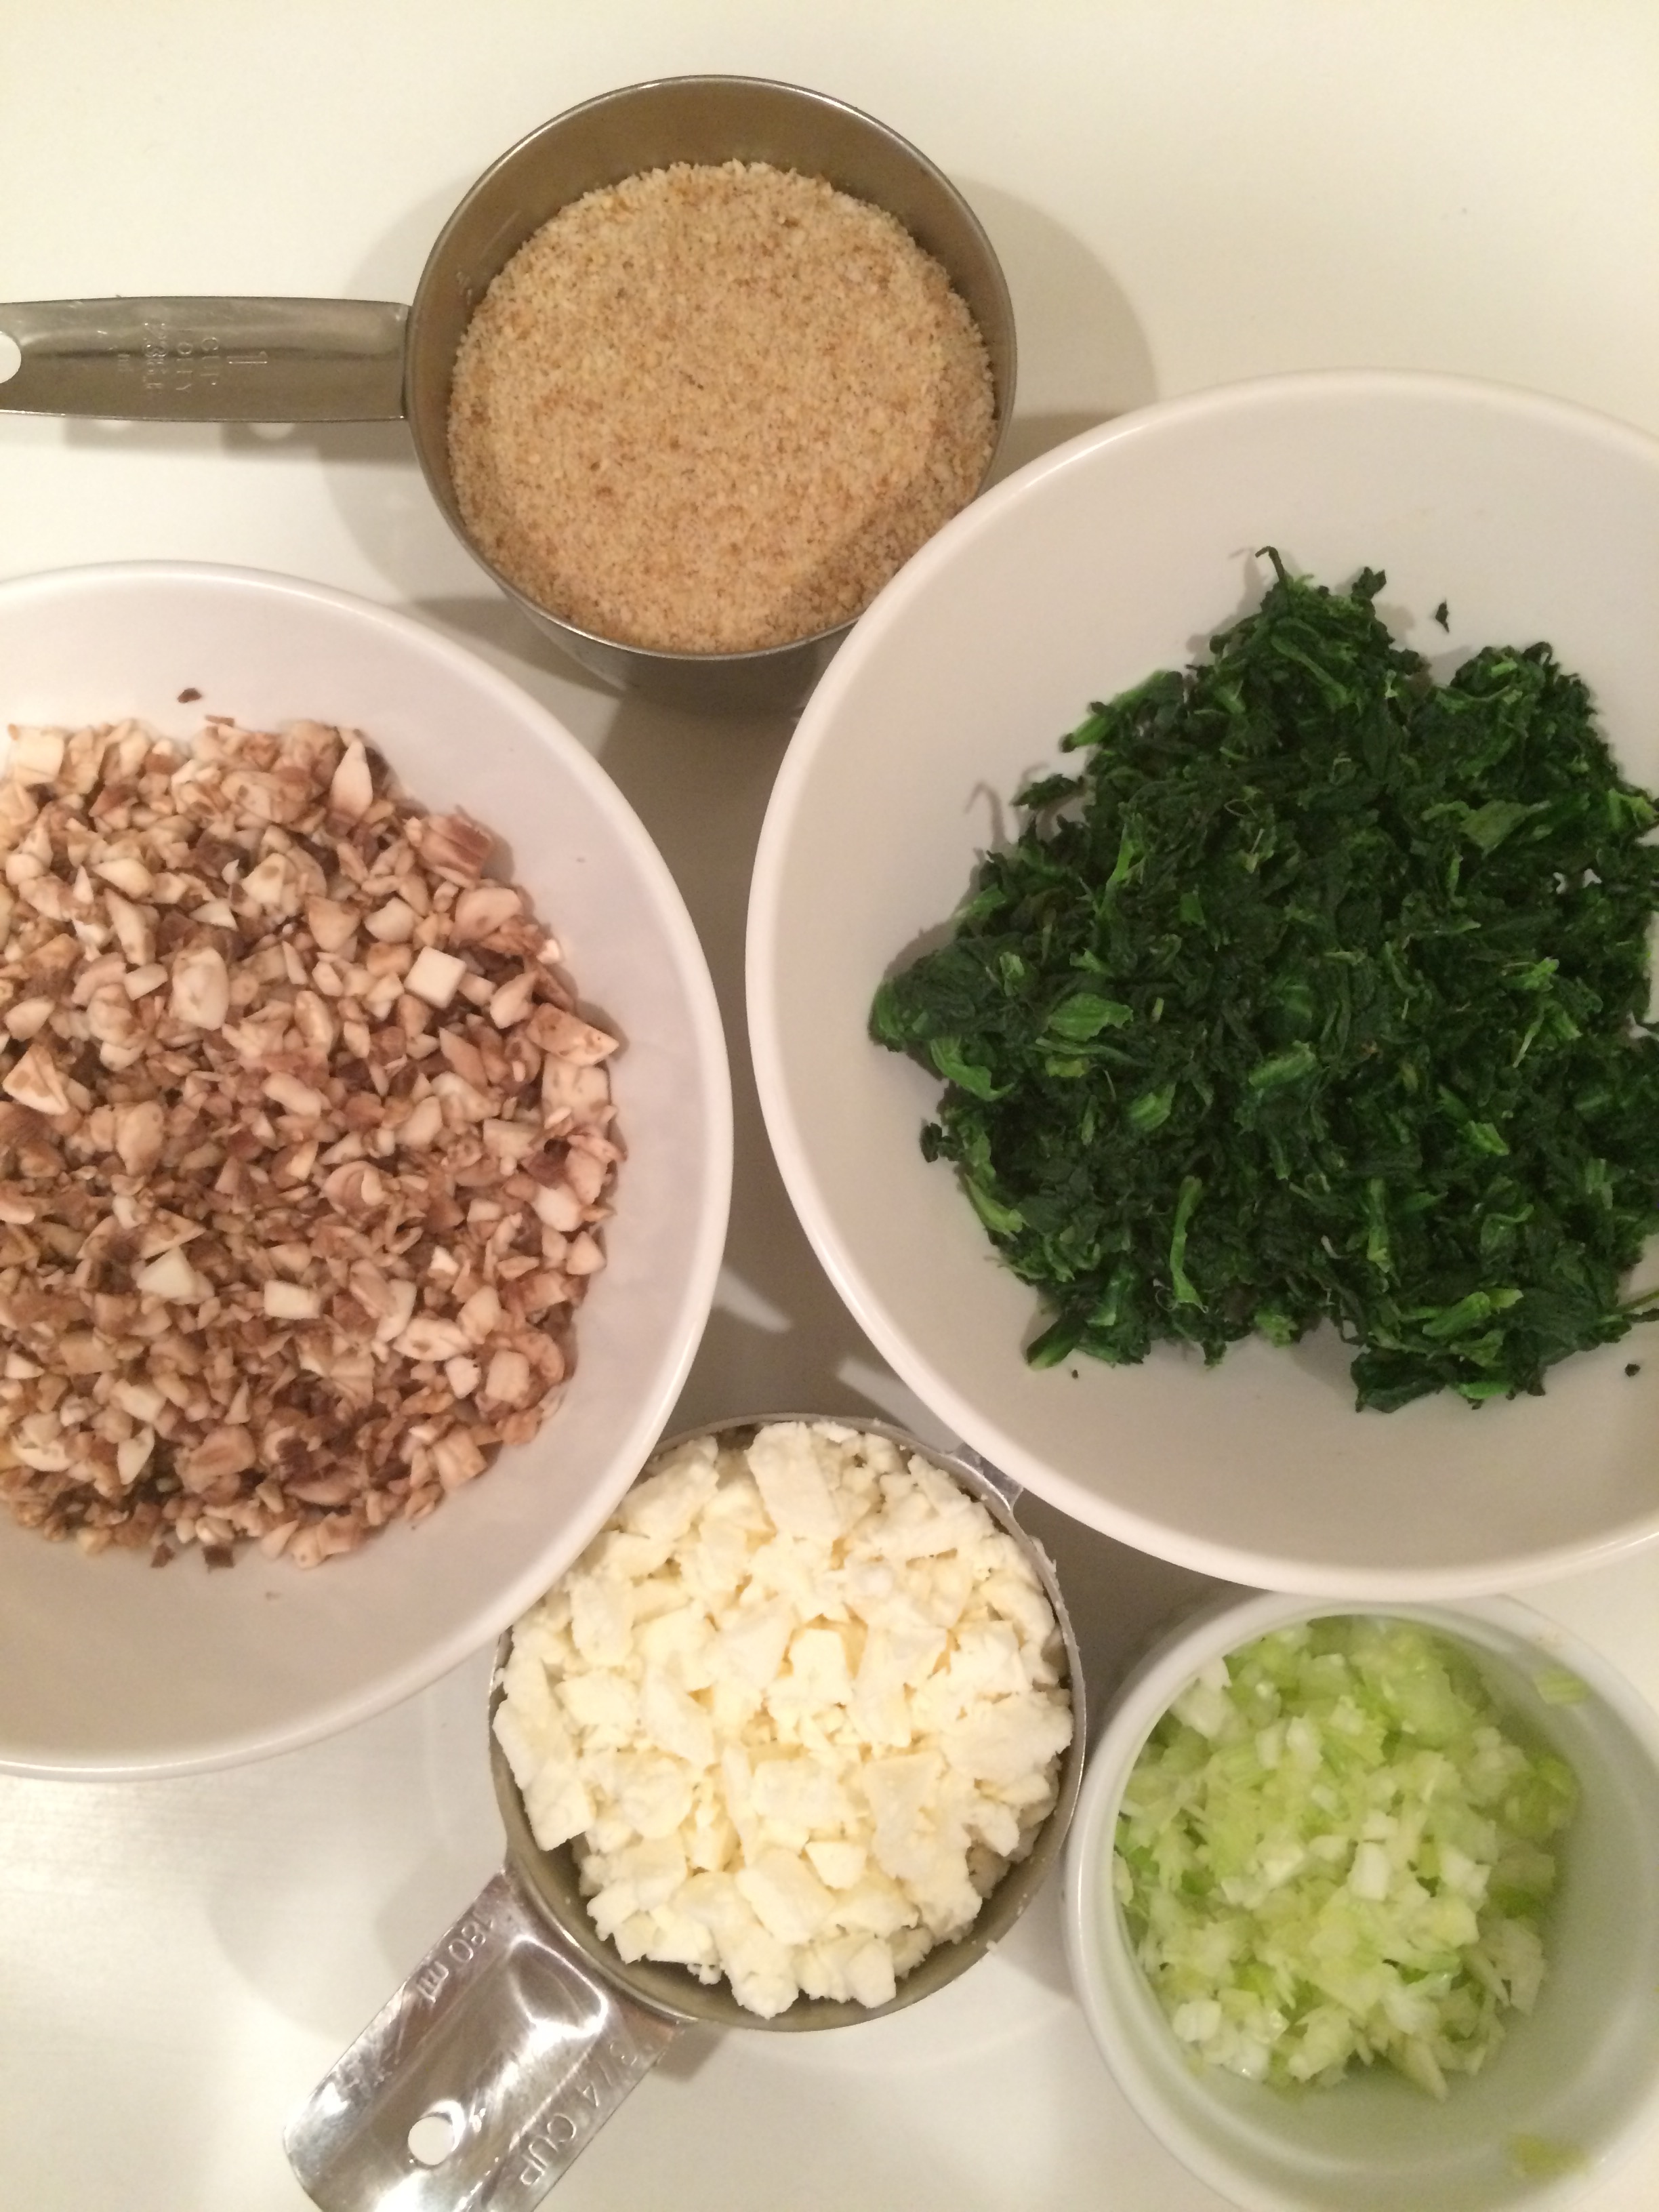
(1115, 556)
(1579, 2074)
(109, 1668)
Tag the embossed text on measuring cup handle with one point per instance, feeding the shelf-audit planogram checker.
(207, 360)
(479, 2082)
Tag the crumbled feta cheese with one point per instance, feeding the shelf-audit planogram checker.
(870, 1980)
(600, 1625)
(604, 1703)
(653, 1795)
(672, 1719)
(751, 1642)
(558, 1803)
(837, 1862)
(801, 1792)
(788, 1900)
(798, 1706)
(795, 1482)
(817, 1663)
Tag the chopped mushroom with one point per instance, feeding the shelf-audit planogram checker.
(294, 1095)
(435, 976)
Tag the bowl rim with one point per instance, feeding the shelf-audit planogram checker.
(383, 1687)
(766, 993)
(1269, 390)
(1215, 1623)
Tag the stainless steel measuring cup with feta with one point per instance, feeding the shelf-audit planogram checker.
(792, 1745)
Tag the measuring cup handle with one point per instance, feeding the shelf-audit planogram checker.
(206, 361)
(481, 2080)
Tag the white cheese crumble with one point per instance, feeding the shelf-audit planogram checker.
(797, 1707)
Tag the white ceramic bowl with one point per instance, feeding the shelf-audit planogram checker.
(1578, 2076)
(108, 1668)
(1121, 553)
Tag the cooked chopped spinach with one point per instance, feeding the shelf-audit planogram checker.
(1319, 993)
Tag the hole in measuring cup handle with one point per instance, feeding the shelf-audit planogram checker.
(436, 2133)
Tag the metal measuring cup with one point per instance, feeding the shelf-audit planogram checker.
(339, 360)
(479, 2082)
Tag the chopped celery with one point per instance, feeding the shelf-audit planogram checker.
(1560, 1686)
(1330, 1850)
(1536, 2157)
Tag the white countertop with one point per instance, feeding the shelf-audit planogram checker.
(1182, 192)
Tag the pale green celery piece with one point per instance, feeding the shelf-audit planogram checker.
(1536, 2157)
(1560, 1686)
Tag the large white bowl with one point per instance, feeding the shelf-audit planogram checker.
(108, 1668)
(1121, 553)
(1573, 2088)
